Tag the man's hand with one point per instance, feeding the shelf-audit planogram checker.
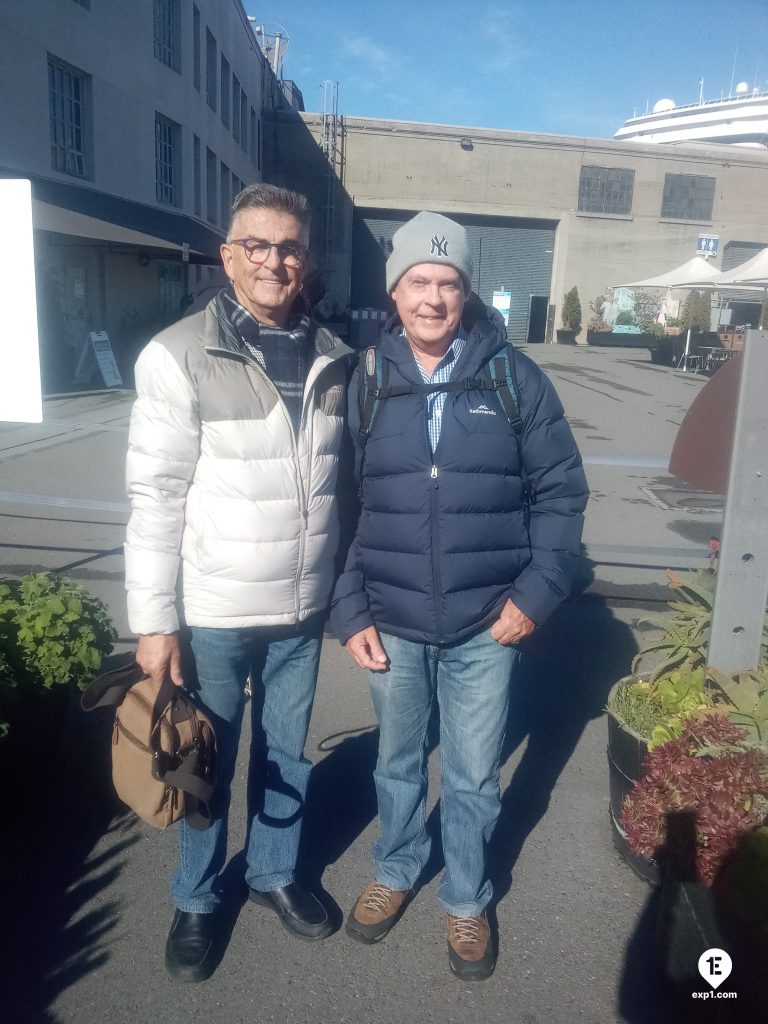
(512, 625)
(365, 647)
(159, 655)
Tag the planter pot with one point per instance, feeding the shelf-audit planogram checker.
(626, 752)
(28, 753)
(607, 339)
(566, 337)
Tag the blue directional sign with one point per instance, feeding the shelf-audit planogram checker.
(707, 245)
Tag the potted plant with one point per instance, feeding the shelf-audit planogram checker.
(571, 318)
(646, 709)
(53, 638)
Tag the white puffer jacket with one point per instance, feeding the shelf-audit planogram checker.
(218, 482)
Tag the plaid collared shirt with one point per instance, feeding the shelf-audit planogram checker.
(442, 374)
(284, 355)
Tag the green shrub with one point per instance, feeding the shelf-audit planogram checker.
(697, 312)
(52, 631)
(571, 314)
(625, 318)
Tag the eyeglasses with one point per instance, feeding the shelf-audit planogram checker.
(257, 250)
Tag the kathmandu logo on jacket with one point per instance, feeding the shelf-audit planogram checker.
(482, 410)
(439, 246)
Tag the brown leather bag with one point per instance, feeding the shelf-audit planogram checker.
(163, 747)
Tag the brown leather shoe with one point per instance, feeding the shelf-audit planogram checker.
(376, 912)
(471, 955)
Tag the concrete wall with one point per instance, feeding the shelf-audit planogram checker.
(113, 43)
(405, 165)
(93, 285)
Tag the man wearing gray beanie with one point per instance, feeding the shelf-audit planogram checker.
(472, 498)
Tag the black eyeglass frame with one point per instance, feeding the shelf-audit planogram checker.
(285, 250)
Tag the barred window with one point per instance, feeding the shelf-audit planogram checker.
(224, 91)
(210, 69)
(688, 197)
(211, 193)
(236, 107)
(168, 33)
(225, 200)
(167, 161)
(243, 121)
(197, 185)
(196, 46)
(68, 96)
(606, 190)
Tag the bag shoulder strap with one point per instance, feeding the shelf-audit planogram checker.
(503, 379)
(371, 381)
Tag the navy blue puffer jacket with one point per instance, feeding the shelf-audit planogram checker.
(444, 540)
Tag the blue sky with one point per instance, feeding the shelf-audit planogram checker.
(572, 67)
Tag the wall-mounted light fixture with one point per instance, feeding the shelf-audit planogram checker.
(467, 144)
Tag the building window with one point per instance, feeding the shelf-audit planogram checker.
(196, 46)
(688, 197)
(236, 107)
(68, 95)
(171, 286)
(254, 145)
(225, 200)
(210, 69)
(606, 190)
(224, 91)
(197, 186)
(168, 33)
(210, 184)
(243, 121)
(167, 161)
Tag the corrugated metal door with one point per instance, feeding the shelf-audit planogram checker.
(508, 254)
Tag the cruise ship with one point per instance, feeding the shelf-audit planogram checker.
(738, 120)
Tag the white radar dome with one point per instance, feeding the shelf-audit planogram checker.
(662, 105)
(742, 88)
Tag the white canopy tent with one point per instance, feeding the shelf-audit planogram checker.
(748, 276)
(688, 275)
(694, 273)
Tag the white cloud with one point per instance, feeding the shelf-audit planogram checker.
(381, 60)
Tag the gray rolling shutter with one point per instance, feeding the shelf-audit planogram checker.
(510, 254)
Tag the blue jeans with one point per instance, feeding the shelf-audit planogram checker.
(283, 668)
(471, 681)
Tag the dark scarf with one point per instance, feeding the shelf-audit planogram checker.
(285, 355)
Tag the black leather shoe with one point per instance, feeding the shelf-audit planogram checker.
(299, 911)
(190, 952)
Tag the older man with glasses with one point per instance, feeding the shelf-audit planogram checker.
(232, 471)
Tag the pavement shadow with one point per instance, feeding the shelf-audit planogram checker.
(56, 919)
(341, 803)
(568, 670)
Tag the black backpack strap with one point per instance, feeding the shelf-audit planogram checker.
(371, 382)
(503, 380)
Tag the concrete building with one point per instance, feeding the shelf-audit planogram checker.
(544, 212)
(136, 123)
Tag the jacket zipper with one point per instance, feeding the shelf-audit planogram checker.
(302, 493)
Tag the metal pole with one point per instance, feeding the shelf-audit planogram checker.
(742, 577)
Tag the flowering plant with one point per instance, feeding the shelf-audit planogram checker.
(712, 770)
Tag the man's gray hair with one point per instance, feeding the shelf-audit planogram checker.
(262, 196)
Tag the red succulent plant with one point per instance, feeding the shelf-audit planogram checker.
(709, 772)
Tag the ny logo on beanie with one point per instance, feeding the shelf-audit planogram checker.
(439, 246)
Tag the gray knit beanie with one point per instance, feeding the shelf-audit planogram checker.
(429, 238)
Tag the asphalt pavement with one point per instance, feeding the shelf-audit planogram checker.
(86, 893)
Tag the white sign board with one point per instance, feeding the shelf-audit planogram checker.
(707, 245)
(20, 392)
(502, 300)
(97, 353)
